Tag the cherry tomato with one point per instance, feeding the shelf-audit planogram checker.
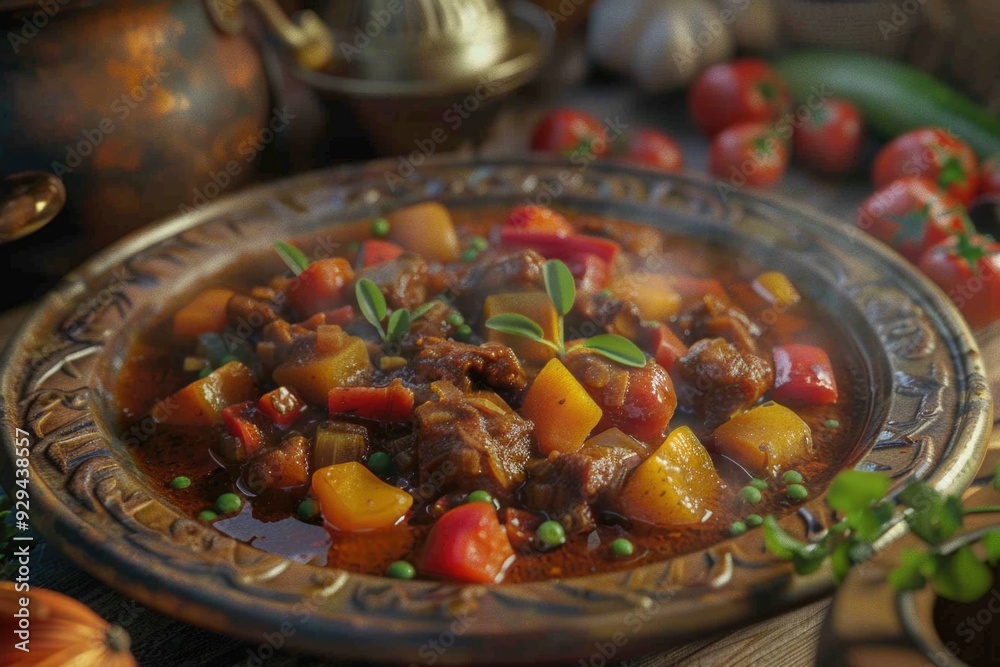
(651, 148)
(468, 544)
(911, 214)
(570, 132)
(740, 91)
(749, 154)
(989, 175)
(933, 153)
(967, 268)
(829, 140)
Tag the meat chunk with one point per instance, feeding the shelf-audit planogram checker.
(433, 323)
(403, 280)
(470, 367)
(517, 272)
(716, 318)
(610, 313)
(251, 313)
(283, 467)
(568, 487)
(466, 443)
(715, 379)
(639, 401)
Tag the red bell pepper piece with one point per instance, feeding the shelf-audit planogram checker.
(468, 544)
(538, 220)
(239, 422)
(803, 374)
(320, 286)
(376, 251)
(392, 403)
(282, 406)
(666, 347)
(553, 246)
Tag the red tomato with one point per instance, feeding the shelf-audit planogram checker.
(967, 268)
(467, 544)
(651, 148)
(532, 218)
(319, 286)
(803, 374)
(933, 153)
(741, 91)
(749, 154)
(911, 214)
(829, 140)
(989, 175)
(376, 251)
(570, 132)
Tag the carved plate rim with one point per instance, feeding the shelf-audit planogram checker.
(734, 584)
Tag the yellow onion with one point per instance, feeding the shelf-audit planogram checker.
(63, 632)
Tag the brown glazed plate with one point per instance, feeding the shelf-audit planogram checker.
(928, 414)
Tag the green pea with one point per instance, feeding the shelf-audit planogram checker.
(551, 534)
(228, 503)
(469, 255)
(737, 528)
(180, 482)
(478, 243)
(380, 227)
(751, 494)
(479, 496)
(204, 372)
(753, 520)
(797, 492)
(308, 509)
(604, 294)
(792, 477)
(463, 332)
(401, 570)
(207, 515)
(380, 463)
(455, 319)
(759, 484)
(831, 423)
(622, 548)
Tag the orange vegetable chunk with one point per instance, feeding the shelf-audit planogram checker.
(425, 229)
(765, 440)
(652, 293)
(205, 314)
(563, 412)
(775, 288)
(352, 498)
(677, 484)
(313, 377)
(201, 402)
(537, 307)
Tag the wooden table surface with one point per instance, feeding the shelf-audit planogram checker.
(789, 640)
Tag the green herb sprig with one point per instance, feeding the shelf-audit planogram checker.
(373, 308)
(859, 498)
(293, 258)
(561, 289)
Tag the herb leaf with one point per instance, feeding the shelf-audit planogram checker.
(854, 490)
(616, 348)
(960, 576)
(423, 308)
(399, 324)
(517, 324)
(293, 258)
(911, 573)
(559, 285)
(991, 543)
(933, 517)
(371, 303)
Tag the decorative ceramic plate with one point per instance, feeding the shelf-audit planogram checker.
(924, 397)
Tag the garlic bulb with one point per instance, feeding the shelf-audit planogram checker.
(58, 631)
(612, 29)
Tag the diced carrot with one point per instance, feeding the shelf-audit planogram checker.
(201, 402)
(563, 412)
(764, 440)
(340, 316)
(392, 403)
(321, 286)
(376, 251)
(352, 498)
(538, 219)
(675, 485)
(537, 307)
(425, 229)
(666, 347)
(205, 314)
(239, 422)
(282, 406)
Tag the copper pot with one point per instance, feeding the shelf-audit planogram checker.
(139, 106)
